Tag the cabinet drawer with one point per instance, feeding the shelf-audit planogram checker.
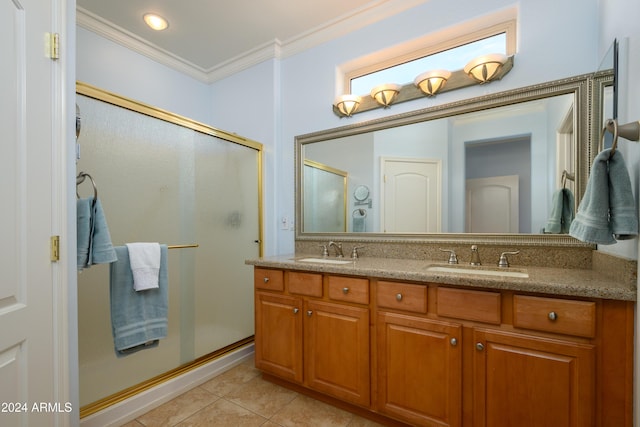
(268, 279)
(349, 289)
(402, 296)
(309, 284)
(555, 315)
(479, 306)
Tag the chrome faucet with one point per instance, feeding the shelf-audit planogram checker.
(475, 256)
(338, 248)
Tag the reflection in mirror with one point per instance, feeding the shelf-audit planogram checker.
(325, 197)
(486, 165)
(474, 172)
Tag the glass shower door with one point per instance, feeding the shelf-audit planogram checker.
(161, 181)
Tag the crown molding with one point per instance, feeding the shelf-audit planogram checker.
(119, 35)
(275, 49)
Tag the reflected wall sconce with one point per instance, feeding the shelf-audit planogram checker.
(484, 68)
(385, 94)
(432, 81)
(347, 104)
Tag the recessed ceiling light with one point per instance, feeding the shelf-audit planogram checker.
(156, 22)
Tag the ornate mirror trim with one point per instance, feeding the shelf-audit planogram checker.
(587, 90)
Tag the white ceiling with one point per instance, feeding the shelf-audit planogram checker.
(210, 39)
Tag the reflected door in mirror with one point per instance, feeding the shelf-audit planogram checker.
(411, 195)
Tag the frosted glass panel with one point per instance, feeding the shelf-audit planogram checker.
(160, 182)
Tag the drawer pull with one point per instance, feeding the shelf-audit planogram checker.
(266, 279)
(296, 310)
(454, 342)
(479, 346)
(399, 297)
(553, 316)
(345, 290)
(309, 313)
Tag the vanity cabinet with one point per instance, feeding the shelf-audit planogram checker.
(429, 354)
(311, 337)
(531, 381)
(419, 369)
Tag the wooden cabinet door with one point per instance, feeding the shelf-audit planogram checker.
(527, 381)
(419, 369)
(336, 350)
(278, 336)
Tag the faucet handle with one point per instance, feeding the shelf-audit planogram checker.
(354, 252)
(503, 261)
(453, 258)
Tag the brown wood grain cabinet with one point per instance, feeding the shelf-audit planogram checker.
(321, 344)
(427, 354)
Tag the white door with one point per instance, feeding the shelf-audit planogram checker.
(492, 205)
(32, 387)
(411, 195)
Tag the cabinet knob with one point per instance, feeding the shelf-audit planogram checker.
(296, 310)
(266, 279)
(399, 297)
(553, 316)
(479, 346)
(345, 290)
(309, 313)
(454, 342)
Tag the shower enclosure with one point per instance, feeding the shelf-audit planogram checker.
(164, 178)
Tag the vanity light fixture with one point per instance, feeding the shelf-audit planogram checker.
(432, 81)
(347, 104)
(155, 22)
(386, 93)
(484, 68)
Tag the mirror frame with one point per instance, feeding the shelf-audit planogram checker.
(588, 90)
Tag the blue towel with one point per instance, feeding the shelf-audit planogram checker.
(608, 206)
(561, 213)
(84, 231)
(623, 214)
(138, 319)
(93, 238)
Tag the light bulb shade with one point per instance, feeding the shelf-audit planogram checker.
(385, 94)
(432, 81)
(484, 68)
(347, 104)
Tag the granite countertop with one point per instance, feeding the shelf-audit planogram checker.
(553, 281)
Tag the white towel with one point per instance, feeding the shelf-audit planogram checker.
(145, 265)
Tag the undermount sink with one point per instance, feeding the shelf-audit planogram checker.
(324, 260)
(478, 270)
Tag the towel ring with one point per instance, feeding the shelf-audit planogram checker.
(80, 179)
(611, 123)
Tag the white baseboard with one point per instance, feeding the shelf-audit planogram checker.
(130, 409)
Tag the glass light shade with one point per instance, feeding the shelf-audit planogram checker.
(484, 68)
(155, 22)
(347, 104)
(432, 81)
(385, 94)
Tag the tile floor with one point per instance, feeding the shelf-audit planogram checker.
(240, 397)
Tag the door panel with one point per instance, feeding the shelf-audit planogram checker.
(411, 196)
(28, 363)
(492, 205)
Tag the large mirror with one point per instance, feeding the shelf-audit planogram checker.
(486, 165)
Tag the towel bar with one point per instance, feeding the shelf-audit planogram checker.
(194, 245)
